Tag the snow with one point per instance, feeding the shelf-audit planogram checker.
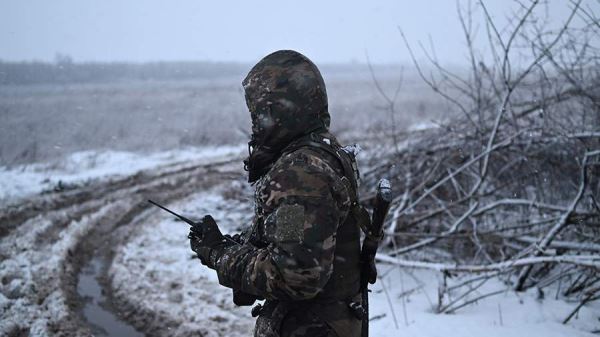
(78, 168)
(507, 314)
(31, 293)
(353, 149)
(423, 125)
(385, 184)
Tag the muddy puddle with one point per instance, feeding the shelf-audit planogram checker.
(101, 319)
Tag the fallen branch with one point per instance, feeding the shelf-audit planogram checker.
(429, 241)
(591, 296)
(451, 310)
(590, 247)
(519, 202)
(591, 261)
(442, 181)
(562, 222)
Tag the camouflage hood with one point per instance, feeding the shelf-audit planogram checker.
(286, 96)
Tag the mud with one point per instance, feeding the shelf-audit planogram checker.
(102, 319)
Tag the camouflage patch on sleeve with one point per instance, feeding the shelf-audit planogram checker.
(289, 222)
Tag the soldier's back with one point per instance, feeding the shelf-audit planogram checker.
(313, 178)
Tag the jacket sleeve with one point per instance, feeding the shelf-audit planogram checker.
(304, 200)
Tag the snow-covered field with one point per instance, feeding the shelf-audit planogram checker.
(80, 168)
(155, 283)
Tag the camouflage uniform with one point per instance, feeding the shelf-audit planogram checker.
(302, 253)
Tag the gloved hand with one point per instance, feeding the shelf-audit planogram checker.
(241, 298)
(207, 241)
(238, 238)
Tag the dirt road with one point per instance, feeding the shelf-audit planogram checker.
(45, 241)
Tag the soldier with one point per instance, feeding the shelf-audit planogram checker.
(302, 252)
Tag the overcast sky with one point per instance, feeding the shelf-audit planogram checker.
(149, 30)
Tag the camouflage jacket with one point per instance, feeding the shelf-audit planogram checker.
(289, 255)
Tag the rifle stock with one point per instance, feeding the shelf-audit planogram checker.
(383, 199)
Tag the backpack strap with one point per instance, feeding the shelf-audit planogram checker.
(346, 160)
(349, 178)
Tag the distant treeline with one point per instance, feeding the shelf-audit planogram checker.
(65, 71)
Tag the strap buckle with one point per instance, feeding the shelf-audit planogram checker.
(358, 310)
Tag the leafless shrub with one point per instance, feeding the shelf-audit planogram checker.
(510, 186)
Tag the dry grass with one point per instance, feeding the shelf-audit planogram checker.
(45, 121)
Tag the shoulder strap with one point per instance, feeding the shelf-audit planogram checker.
(350, 178)
(314, 140)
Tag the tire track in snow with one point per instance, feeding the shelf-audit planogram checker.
(45, 241)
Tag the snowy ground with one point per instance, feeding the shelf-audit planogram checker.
(82, 167)
(157, 272)
(158, 287)
(41, 255)
(507, 314)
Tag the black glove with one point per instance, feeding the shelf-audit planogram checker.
(207, 241)
(237, 238)
(241, 298)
